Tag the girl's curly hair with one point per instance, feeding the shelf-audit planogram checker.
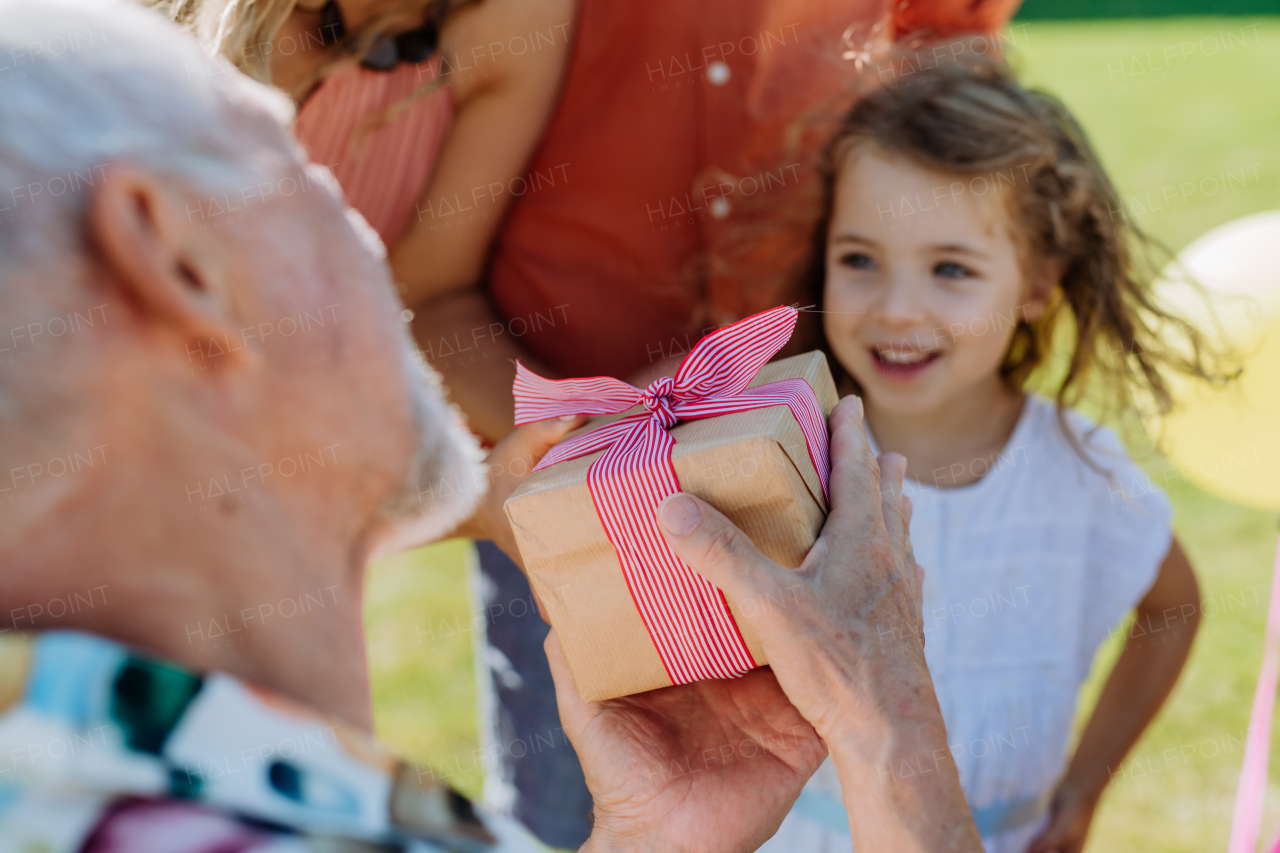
(972, 118)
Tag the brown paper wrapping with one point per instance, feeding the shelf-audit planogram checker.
(752, 466)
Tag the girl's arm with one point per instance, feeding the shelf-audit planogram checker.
(1143, 676)
(504, 61)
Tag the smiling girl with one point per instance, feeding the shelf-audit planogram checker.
(967, 226)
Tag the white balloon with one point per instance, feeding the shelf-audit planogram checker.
(1238, 265)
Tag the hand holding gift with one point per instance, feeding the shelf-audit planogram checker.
(630, 615)
(505, 467)
(716, 764)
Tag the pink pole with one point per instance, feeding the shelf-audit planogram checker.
(1246, 822)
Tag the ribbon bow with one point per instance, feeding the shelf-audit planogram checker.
(686, 616)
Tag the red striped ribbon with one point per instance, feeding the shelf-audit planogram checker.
(686, 616)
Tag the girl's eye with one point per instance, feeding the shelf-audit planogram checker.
(949, 269)
(858, 261)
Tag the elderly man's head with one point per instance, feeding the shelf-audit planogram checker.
(197, 331)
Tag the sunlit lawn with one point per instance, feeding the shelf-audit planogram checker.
(1155, 127)
(1175, 132)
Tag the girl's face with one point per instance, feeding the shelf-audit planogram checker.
(923, 281)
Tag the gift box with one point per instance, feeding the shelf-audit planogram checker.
(629, 615)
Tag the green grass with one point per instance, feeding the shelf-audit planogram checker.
(1074, 9)
(1205, 116)
(424, 689)
(1153, 128)
(1159, 123)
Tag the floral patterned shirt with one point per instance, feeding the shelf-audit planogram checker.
(107, 750)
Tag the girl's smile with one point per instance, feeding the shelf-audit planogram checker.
(903, 364)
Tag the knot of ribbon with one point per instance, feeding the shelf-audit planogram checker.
(657, 399)
(686, 616)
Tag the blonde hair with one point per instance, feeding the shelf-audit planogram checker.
(233, 28)
(242, 30)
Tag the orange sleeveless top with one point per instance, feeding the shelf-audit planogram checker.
(382, 169)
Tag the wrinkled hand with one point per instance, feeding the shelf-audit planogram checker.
(1070, 816)
(709, 766)
(715, 765)
(508, 464)
(846, 644)
(854, 601)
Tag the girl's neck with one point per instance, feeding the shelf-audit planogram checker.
(956, 443)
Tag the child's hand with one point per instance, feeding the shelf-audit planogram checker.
(1070, 815)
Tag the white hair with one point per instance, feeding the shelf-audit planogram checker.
(84, 83)
(92, 82)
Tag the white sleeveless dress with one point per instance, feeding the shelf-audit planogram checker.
(1027, 571)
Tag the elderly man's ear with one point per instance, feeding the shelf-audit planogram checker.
(166, 266)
